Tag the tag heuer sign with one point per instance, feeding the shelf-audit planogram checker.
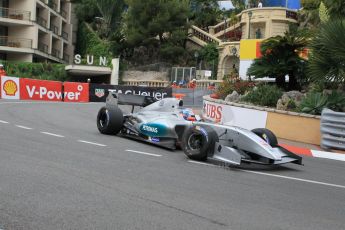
(99, 92)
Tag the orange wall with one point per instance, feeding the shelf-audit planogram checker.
(295, 128)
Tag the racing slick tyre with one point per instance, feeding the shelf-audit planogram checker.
(198, 142)
(109, 120)
(267, 135)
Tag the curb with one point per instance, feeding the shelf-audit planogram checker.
(314, 153)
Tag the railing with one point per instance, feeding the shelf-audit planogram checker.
(65, 35)
(42, 47)
(53, 5)
(200, 83)
(54, 28)
(146, 83)
(226, 24)
(65, 57)
(15, 14)
(56, 53)
(64, 14)
(42, 22)
(204, 36)
(15, 42)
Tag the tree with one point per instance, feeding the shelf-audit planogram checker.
(327, 59)
(157, 24)
(280, 57)
(204, 12)
(335, 8)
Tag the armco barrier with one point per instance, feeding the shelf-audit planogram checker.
(332, 129)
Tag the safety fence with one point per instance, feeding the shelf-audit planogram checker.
(43, 90)
(332, 129)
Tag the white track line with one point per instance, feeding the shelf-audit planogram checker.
(91, 143)
(4, 122)
(143, 153)
(278, 176)
(52, 134)
(23, 127)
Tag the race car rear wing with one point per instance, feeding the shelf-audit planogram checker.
(129, 99)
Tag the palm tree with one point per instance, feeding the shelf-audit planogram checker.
(280, 57)
(327, 59)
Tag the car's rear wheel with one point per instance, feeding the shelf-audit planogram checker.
(267, 135)
(198, 142)
(109, 120)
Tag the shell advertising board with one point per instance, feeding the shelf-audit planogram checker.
(10, 88)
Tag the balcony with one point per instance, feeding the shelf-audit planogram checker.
(15, 14)
(15, 42)
(64, 14)
(65, 35)
(54, 28)
(42, 22)
(53, 5)
(43, 47)
(66, 57)
(56, 53)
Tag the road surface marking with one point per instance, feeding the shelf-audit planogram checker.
(4, 122)
(328, 155)
(52, 134)
(23, 127)
(91, 143)
(278, 176)
(143, 153)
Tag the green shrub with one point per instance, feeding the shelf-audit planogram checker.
(314, 102)
(336, 101)
(44, 71)
(228, 86)
(265, 95)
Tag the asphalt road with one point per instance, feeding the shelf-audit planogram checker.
(58, 172)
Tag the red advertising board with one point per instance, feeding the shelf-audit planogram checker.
(32, 89)
(76, 92)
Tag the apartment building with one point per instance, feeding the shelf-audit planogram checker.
(36, 31)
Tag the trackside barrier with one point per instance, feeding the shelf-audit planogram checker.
(332, 129)
(99, 92)
(10, 87)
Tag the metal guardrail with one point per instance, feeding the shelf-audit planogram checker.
(42, 22)
(15, 42)
(64, 14)
(332, 129)
(201, 84)
(15, 14)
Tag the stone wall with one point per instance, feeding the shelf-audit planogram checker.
(145, 75)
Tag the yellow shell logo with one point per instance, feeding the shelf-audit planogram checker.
(10, 88)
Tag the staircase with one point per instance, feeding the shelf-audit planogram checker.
(225, 31)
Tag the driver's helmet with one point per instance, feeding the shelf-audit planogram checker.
(188, 115)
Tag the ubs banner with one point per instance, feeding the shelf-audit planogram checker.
(99, 92)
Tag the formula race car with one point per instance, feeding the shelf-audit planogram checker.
(168, 124)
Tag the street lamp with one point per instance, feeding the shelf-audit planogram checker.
(250, 14)
(196, 55)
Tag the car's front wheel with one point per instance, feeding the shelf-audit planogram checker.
(109, 120)
(198, 142)
(267, 135)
